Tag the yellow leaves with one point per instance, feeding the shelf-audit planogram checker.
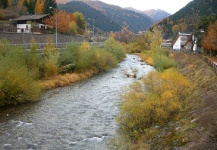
(154, 101)
(85, 47)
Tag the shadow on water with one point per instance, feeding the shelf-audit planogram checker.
(78, 117)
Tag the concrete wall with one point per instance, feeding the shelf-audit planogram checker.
(22, 38)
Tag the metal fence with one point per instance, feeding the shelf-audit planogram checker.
(40, 46)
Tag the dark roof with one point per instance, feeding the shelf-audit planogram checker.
(30, 17)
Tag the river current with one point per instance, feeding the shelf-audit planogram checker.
(76, 117)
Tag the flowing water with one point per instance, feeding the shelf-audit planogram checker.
(77, 117)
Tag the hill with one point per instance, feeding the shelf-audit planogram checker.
(101, 22)
(189, 17)
(109, 17)
(155, 14)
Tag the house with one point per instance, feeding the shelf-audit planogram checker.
(182, 41)
(26, 23)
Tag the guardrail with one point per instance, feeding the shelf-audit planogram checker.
(56, 45)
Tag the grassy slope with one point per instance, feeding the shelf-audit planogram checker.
(201, 104)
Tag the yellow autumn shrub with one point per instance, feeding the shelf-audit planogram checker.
(151, 103)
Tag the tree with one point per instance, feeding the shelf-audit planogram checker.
(156, 39)
(31, 7)
(210, 39)
(48, 4)
(4, 3)
(79, 17)
(65, 22)
(39, 7)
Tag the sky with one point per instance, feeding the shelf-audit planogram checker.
(170, 6)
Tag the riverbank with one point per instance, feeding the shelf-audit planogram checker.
(192, 122)
(199, 115)
(39, 72)
(66, 79)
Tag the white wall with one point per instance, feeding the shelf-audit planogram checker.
(26, 28)
(177, 44)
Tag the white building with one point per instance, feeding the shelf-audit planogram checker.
(182, 41)
(24, 23)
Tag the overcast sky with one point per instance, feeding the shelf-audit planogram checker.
(170, 6)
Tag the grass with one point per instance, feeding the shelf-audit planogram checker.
(65, 79)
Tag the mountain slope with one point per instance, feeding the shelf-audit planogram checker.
(109, 17)
(188, 18)
(100, 21)
(135, 21)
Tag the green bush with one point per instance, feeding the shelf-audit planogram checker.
(102, 60)
(115, 48)
(17, 84)
(162, 62)
(96, 58)
(69, 55)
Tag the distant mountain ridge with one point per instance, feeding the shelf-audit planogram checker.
(108, 17)
(155, 14)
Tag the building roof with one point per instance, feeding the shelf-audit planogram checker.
(181, 34)
(30, 17)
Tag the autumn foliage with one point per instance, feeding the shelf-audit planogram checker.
(152, 103)
(66, 22)
(210, 40)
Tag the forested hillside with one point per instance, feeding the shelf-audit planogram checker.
(193, 16)
(100, 21)
(109, 17)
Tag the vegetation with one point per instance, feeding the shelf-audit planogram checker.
(67, 23)
(166, 110)
(151, 104)
(108, 18)
(23, 75)
(189, 18)
(210, 39)
(17, 83)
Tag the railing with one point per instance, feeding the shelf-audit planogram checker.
(40, 46)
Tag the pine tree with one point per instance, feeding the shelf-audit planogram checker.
(4, 3)
(49, 6)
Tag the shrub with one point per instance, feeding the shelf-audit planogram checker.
(115, 48)
(152, 103)
(162, 62)
(95, 58)
(102, 60)
(17, 84)
(69, 57)
(51, 57)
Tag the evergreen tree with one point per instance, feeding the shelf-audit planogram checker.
(4, 3)
(31, 7)
(49, 6)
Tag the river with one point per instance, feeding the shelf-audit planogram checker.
(77, 117)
